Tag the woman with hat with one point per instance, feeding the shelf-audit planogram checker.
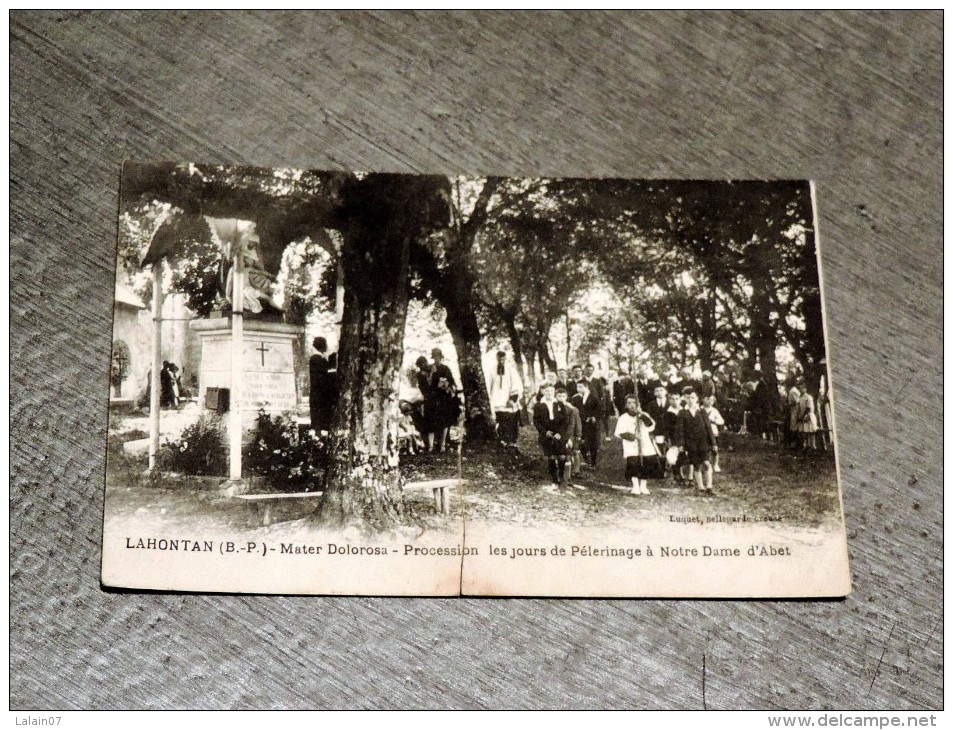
(441, 404)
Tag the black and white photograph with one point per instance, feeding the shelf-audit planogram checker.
(443, 385)
(241, 477)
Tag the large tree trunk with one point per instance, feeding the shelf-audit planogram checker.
(465, 331)
(363, 482)
(379, 218)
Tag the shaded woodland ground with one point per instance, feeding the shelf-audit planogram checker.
(759, 479)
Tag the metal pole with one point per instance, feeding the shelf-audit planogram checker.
(155, 389)
(237, 360)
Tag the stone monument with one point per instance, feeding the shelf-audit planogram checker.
(267, 367)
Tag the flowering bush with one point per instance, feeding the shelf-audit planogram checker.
(201, 449)
(285, 457)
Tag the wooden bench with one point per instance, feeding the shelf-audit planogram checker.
(440, 487)
(268, 500)
(441, 491)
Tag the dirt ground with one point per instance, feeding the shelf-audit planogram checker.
(761, 480)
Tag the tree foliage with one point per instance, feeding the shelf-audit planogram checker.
(706, 273)
(730, 267)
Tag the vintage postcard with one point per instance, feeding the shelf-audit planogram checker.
(381, 384)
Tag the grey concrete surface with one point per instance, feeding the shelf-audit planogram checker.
(852, 100)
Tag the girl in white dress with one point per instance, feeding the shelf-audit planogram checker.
(716, 423)
(807, 420)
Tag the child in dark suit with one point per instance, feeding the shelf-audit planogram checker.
(590, 410)
(695, 438)
(554, 424)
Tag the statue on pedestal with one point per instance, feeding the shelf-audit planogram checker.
(259, 288)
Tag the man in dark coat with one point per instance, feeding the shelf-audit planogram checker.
(562, 379)
(645, 387)
(320, 386)
(554, 425)
(657, 409)
(590, 411)
(443, 407)
(550, 379)
(574, 455)
(622, 387)
(762, 408)
(672, 382)
(574, 379)
(689, 381)
(693, 435)
(670, 428)
(166, 387)
(597, 386)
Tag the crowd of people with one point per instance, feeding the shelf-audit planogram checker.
(172, 392)
(426, 424)
(669, 427)
(660, 431)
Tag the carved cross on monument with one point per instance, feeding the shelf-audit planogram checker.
(262, 349)
(120, 360)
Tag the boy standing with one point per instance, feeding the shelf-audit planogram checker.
(694, 436)
(575, 455)
(553, 423)
(590, 410)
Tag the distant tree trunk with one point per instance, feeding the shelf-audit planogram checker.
(551, 353)
(465, 330)
(380, 216)
(521, 370)
(766, 340)
(517, 346)
(707, 340)
(814, 340)
(751, 355)
(543, 357)
(530, 357)
(568, 340)
(546, 360)
(460, 303)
